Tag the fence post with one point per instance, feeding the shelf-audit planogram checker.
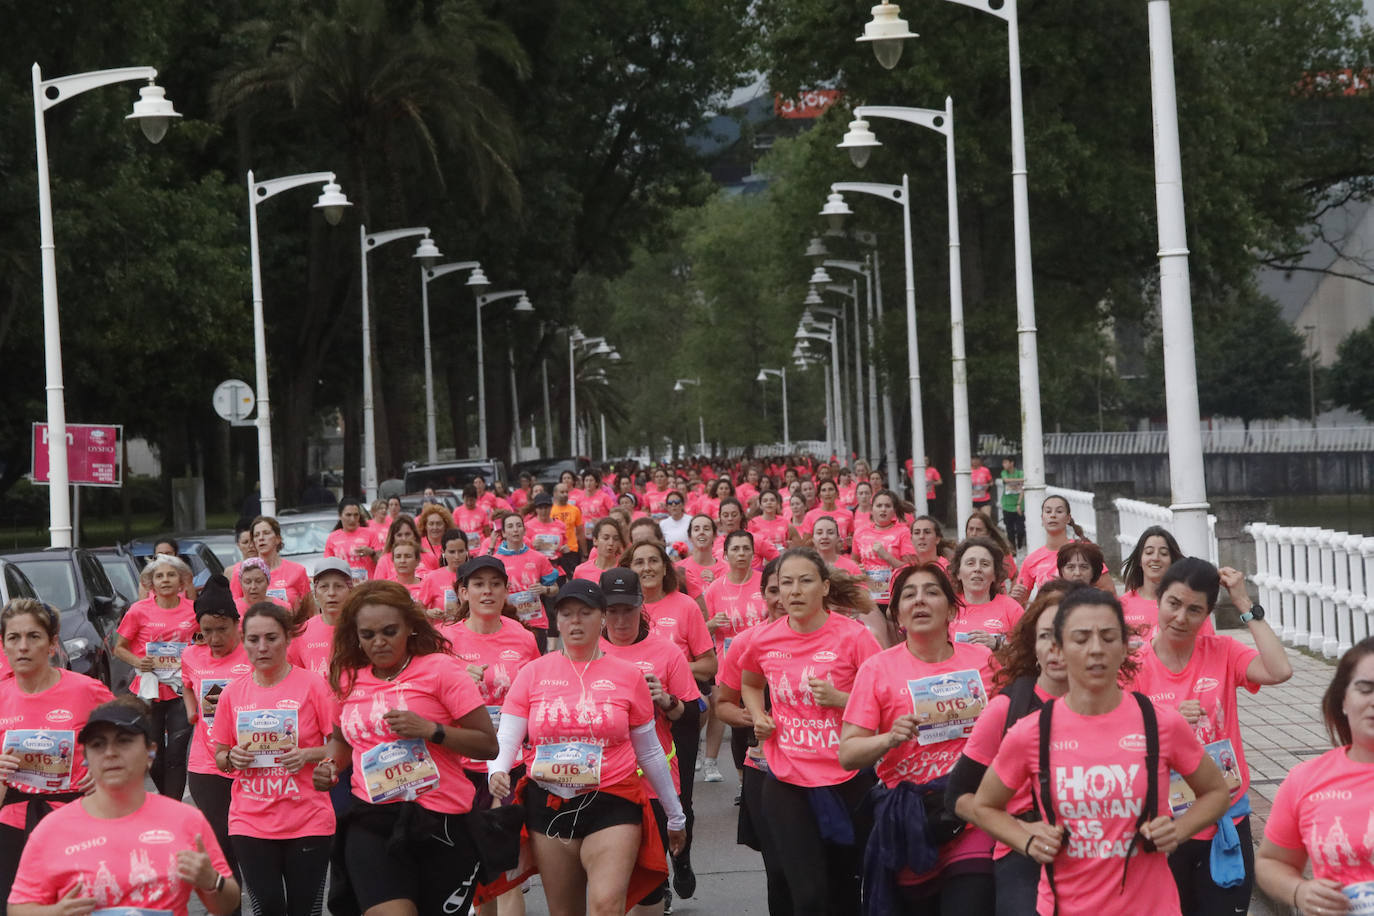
(1345, 617)
(1295, 630)
(1365, 564)
(1326, 590)
(1316, 634)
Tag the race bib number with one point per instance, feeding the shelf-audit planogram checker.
(1181, 796)
(359, 574)
(166, 658)
(495, 713)
(725, 646)
(576, 765)
(879, 581)
(527, 606)
(268, 734)
(450, 599)
(474, 539)
(210, 689)
(45, 758)
(398, 771)
(277, 594)
(547, 544)
(1361, 897)
(946, 705)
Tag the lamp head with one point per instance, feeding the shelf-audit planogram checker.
(835, 210)
(427, 252)
(815, 250)
(477, 279)
(523, 304)
(601, 349)
(332, 203)
(819, 276)
(860, 142)
(762, 376)
(677, 386)
(812, 298)
(615, 356)
(886, 30)
(153, 111)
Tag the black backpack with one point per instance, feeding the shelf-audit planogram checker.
(1044, 800)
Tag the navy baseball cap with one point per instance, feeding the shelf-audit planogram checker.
(621, 586)
(122, 716)
(466, 571)
(542, 499)
(589, 593)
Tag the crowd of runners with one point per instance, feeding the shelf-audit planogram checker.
(532, 683)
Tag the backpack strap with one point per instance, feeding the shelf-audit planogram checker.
(1044, 799)
(1147, 811)
(1022, 700)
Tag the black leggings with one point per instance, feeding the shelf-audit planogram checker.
(211, 794)
(1015, 523)
(283, 877)
(686, 733)
(751, 804)
(1017, 879)
(12, 841)
(823, 878)
(739, 744)
(1198, 894)
(172, 733)
(959, 895)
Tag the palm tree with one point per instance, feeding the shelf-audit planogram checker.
(398, 94)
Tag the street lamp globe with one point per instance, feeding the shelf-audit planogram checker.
(601, 349)
(819, 276)
(887, 30)
(427, 252)
(860, 142)
(153, 111)
(477, 279)
(812, 297)
(332, 203)
(835, 210)
(816, 251)
(523, 304)
(615, 356)
(677, 386)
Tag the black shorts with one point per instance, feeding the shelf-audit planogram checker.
(438, 875)
(578, 817)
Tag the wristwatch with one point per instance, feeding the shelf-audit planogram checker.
(439, 735)
(1256, 612)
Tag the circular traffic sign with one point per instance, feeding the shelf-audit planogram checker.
(233, 400)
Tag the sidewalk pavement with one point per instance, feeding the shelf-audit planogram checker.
(1281, 727)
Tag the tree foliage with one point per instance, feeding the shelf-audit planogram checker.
(1351, 379)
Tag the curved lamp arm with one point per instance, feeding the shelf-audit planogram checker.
(67, 86)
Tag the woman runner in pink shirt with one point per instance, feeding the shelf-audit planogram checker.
(1105, 847)
(702, 567)
(808, 661)
(1039, 565)
(439, 590)
(988, 615)
(1200, 675)
(909, 715)
(409, 715)
(608, 543)
(353, 542)
(883, 547)
(402, 530)
(269, 733)
(207, 668)
(1155, 551)
(42, 708)
(287, 583)
(769, 525)
(979, 525)
(1317, 794)
(119, 846)
(433, 521)
(733, 605)
(405, 561)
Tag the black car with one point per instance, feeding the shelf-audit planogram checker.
(122, 569)
(548, 470)
(73, 580)
(197, 554)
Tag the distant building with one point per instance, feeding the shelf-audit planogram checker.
(733, 141)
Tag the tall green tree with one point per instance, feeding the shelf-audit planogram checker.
(1351, 380)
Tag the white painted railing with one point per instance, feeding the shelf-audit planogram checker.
(1134, 516)
(1080, 507)
(1317, 583)
(1214, 441)
(775, 449)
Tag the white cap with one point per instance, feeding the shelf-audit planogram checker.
(333, 564)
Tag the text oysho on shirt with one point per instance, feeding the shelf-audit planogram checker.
(1325, 807)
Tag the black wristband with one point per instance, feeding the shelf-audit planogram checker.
(1028, 846)
(439, 734)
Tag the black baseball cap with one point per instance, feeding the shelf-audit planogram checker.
(119, 714)
(542, 499)
(589, 593)
(467, 570)
(621, 586)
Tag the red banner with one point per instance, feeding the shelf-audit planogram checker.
(92, 454)
(810, 103)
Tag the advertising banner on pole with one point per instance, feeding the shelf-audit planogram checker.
(93, 454)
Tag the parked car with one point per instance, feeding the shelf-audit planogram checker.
(453, 475)
(14, 584)
(548, 470)
(303, 534)
(412, 503)
(204, 562)
(122, 569)
(221, 541)
(73, 580)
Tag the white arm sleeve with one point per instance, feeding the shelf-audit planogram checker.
(509, 736)
(655, 766)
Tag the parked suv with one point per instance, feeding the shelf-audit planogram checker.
(453, 475)
(72, 580)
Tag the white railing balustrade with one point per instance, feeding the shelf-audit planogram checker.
(1316, 582)
(1080, 507)
(1214, 441)
(1134, 516)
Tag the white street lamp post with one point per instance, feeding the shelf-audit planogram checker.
(852, 293)
(476, 281)
(860, 141)
(832, 337)
(522, 305)
(153, 112)
(887, 32)
(786, 430)
(425, 253)
(836, 210)
(332, 203)
(680, 385)
(1187, 481)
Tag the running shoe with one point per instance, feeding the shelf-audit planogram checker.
(668, 903)
(739, 796)
(711, 772)
(684, 879)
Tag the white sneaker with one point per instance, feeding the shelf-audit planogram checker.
(711, 772)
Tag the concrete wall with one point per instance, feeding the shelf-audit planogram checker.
(1255, 475)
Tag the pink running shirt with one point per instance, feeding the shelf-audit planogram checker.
(982, 746)
(665, 661)
(742, 602)
(896, 539)
(340, 544)
(997, 617)
(147, 621)
(525, 570)
(1325, 807)
(678, 618)
(804, 749)
(312, 648)
(503, 653)
(201, 671)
